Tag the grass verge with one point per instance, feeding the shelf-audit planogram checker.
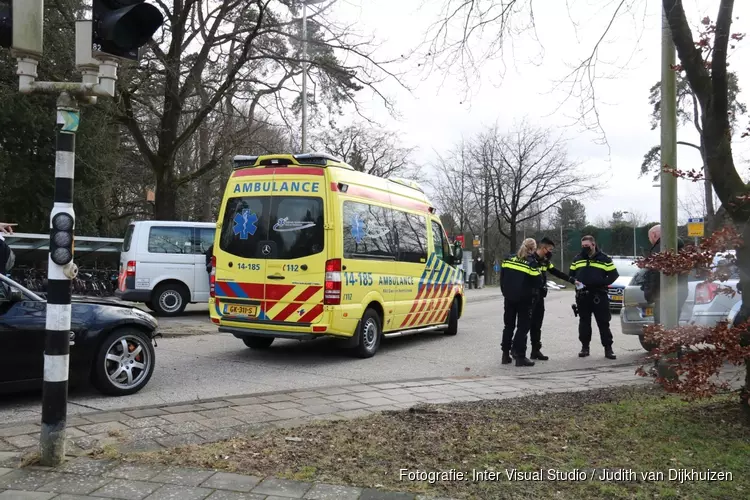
(632, 429)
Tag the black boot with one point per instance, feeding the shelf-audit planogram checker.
(584, 352)
(537, 354)
(506, 358)
(608, 353)
(524, 361)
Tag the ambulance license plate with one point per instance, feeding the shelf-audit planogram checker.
(238, 310)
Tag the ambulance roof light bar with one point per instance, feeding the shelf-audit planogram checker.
(321, 159)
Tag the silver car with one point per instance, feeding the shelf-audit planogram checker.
(704, 305)
(627, 269)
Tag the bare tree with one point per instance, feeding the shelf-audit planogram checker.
(232, 62)
(530, 174)
(375, 151)
(451, 189)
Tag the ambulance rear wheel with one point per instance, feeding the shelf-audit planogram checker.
(453, 319)
(258, 342)
(369, 335)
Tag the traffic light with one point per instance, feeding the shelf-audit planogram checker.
(121, 27)
(61, 250)
(27, 16)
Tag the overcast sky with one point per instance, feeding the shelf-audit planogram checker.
(435, 115)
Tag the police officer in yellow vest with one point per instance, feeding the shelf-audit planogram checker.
(595, 270)
(543, 255)
(521, 284)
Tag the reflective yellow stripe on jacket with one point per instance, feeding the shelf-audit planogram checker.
(582, 263)
(519, 265)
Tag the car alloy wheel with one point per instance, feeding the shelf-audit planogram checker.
(127, 362)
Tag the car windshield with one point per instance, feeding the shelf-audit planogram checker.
(6, 286)
(626, 268)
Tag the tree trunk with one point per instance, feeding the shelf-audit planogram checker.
(513, 236)
(708, 191)
(165, 207)
(206, 196)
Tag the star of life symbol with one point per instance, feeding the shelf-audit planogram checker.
(245, 224)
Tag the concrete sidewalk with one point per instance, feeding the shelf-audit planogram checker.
(198, 422)
(204, 421)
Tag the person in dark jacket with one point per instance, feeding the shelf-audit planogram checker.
(652, 280)
(479, 268)
(595, 271)
(520, 282)
(209, 254)
(543, 254)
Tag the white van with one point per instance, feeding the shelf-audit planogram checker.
(163, 264)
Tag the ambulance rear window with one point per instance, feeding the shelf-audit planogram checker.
(286, 227)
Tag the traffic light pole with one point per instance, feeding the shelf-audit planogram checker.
(57, 339)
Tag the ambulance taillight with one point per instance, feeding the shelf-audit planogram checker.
(332, 294)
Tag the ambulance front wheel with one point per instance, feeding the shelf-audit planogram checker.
(453, 319)
(369, 335)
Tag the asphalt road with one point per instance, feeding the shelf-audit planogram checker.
(196, 366)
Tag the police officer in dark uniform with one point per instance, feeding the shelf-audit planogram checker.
(595, 271)
(520, 282)
(543, 254)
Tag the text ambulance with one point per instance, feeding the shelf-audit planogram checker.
(307, 246)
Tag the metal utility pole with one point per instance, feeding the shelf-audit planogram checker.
(669, 316)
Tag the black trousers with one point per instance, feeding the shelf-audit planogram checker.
(596, 304)
(517, 316)
(537, 318)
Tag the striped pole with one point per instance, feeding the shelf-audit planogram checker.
(57, 339)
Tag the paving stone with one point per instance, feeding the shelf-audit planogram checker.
(393, 392)
(283, 405)
(216, 435)
(222, 423)
(219, 413)
(331, 391)
(430, 396)
(320, 400)
(333, 492)
(253, 400)
(213, 405)
(74, 497)
(251, 409)
(369, 394)
(247, 429)
(173, 492)
(73, 432)
(26, 495)
(5, 446)
(103, 428)
(10, 457)
(320, 409)
(91, 442)
(420, 389)
(24, 441)
(179, 418)
(282, 487)
(276, 398)
(306, 394)
(358, 388)
(290, 413)
(233, 495)
(384, 408)
(386, 386)
(257, 418)
(21, 479)
(4, 470)
(338, 398)
(75, 484)
(100, 418)
(290, 423)
(377, 401)
(184, 428)
(140, 423)
(180, 440)
(182, 476)
(145, 433)
(127, 489)
(87, 466)
(181, 408)
(140, 446)
(406, 398)
(354, 413)
(146, 412)
(134, 472)
(77, 420)
(352, 405)
(232, 482)
(18, 430)
(373, 494)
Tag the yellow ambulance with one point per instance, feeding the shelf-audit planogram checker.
(306, 246)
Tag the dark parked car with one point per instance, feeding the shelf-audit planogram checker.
(111, 344)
